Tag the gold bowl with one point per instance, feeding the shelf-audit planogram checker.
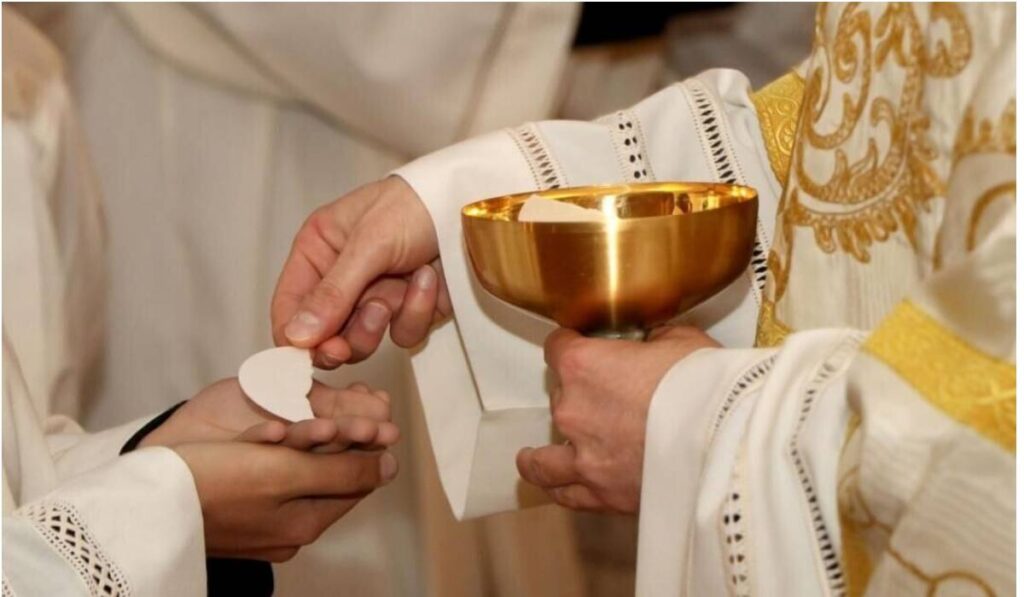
(670, 246)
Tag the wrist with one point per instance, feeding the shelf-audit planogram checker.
(153, 433)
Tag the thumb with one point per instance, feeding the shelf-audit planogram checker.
(324, 311)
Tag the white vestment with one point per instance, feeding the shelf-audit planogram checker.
(215, 129)
(78, 520)
(869, 446)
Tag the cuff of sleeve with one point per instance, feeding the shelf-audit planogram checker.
(134, 441)
(78, 453)
(142, 516)
(680, 424)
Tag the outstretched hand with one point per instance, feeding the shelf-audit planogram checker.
(267, 487)
(359, 264)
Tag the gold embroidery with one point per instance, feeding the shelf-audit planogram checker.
(1007, 188)
(979, 137)
(778, 106)
(867, 199)
(857, 521)
(770, 331)
(987, 137)
(971, 387)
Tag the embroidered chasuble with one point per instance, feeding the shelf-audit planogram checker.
(856, 435)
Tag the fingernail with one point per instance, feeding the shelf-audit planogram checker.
(388, 467)
(304, 326)
(328, 361)
(374, 316)
(424, 278)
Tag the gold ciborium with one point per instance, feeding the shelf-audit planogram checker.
(666, 248)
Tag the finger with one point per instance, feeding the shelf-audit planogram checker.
(576, 497)
(550, 466)
(334, 404)
(324, 310)
(388, 435)
(305, 435)
(345, 474)
(557, 344)
(555, 397)
(366, 329)
(310, 258)
(413, 322)
(305, 519)
(269, 432)
(356, 430)
(444, 301)
(332, 353)
(674, 332)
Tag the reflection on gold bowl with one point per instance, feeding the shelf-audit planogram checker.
(669, 247)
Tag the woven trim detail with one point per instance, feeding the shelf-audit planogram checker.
(60, 525)
(722, 159)
(545, 170)
(831, 561)
(628, 138)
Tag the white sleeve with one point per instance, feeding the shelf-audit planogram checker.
(482, 376)
(738, 442)
(847, 462)
(130, 527)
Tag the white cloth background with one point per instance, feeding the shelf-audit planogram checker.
(205, 182)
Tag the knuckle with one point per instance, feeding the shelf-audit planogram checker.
(588, 466)
(360, 475)
(564, 416)
(564, 498)
(574, 361)
(327, 293)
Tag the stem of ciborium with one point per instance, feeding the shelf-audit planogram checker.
(638, 334)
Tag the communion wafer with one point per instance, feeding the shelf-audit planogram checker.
(278, 380)
(539, 209)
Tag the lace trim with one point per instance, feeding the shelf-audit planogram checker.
(750, 380)
(543, 166)
(630, 145)
(8, 591)
(831, 563)
(61, 527)
(734, 530)
(722, 159)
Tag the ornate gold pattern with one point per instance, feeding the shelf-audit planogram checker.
(984, 136)
(778, 107)
(856, 520)
(971, 387)
(770, 331)
(868, 199)
(1000, 190)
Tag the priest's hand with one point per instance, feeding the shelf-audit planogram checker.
(600, 403)
(367, 259)
(265, 502)
(222, 412)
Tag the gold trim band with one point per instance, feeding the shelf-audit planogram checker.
(968, 385)
(778, 107)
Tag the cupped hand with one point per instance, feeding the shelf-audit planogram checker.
(265, 502)
(358, 264)
(221, 412)
(604, 390)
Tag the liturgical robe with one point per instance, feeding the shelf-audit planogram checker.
(77, 519)
(857, 435)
